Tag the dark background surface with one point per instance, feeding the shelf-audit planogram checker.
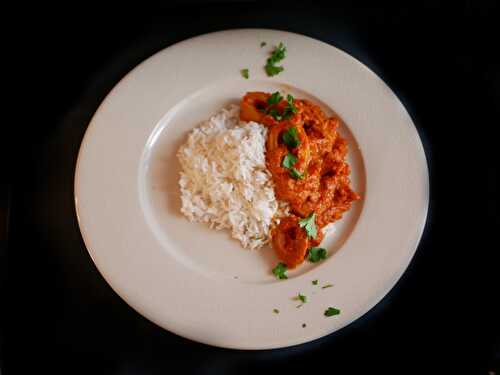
(58, 315)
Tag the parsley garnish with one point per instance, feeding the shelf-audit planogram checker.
(290, 108)
(262, 44)
(327, 286)
(316, 254)
(291, 137)
(275, 113)
(288, 111)
(276, 311)
(276, 56)
(294, 173)
(332, 311)
(273, 70)
(302, 298)
(315, 282)
(280, 271)
(289, 160)
(309, 225)
(244, 73)
(275, 98)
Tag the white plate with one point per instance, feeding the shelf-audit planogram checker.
(200, 283)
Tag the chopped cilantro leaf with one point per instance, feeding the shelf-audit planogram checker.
(332, 311)
(326, 286)
(294, 173)
(309, 224)
(275, 114)
(289, 160)
(315, 282)
(272, 70)
(291, 137)
(276, 56)
(262, 44)
(244, 73)
(280, 271)
(275, 98)
(288, 112)
(276, 311)
(316, 254)
(302, 298)
(290, 108)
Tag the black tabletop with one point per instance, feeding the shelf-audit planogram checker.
(58, 315)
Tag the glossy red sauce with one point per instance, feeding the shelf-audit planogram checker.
(325, 189)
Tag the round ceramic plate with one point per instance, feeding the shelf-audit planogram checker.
(200, 283)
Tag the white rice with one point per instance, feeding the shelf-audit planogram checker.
(224, 181)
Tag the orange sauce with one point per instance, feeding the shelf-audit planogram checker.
(325, 188)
